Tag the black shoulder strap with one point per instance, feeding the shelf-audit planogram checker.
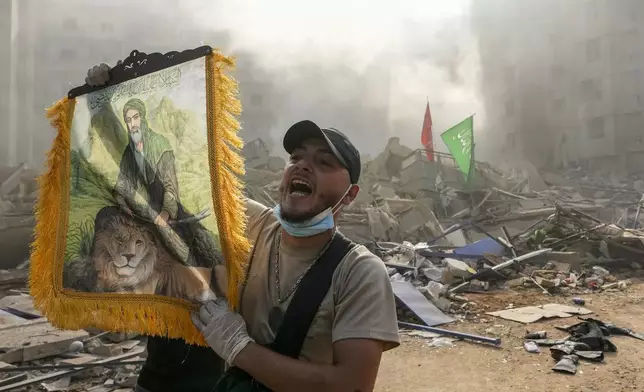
(308, 298)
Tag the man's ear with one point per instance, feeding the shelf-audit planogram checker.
(351, 195)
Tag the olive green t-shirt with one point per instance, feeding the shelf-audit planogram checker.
(359, 304)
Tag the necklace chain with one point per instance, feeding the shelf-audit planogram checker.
(278, 239)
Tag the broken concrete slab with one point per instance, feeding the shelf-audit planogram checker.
(61, 373)
(458, 268)
(531, 314)
(80, 359)
(13, 279)
(457, 238)
(419, 305)
(107, 350)
(120, 337)
(7, 319)
(58, 385)
(129, 344)
(23, 304)
(35, 339)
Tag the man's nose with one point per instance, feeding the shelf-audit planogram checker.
(304, 165)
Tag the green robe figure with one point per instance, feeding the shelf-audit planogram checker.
(147, 188)
(147, 170)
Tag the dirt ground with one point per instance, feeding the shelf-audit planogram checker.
(415, 366)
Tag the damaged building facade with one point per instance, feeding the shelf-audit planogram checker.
(566, 86)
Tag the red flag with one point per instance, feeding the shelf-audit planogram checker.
(426, 135)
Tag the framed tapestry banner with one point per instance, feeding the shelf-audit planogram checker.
(141, 199)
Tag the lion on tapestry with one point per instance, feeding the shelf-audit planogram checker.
(127, 257)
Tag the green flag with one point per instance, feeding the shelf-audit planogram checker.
(460, 143)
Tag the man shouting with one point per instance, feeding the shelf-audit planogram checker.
(356, 320)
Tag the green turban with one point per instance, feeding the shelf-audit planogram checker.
(135, 104)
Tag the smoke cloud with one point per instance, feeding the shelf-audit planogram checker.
(365, 67)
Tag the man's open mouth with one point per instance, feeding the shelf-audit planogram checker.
(300, 188)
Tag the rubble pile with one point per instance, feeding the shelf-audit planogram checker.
(18, 194)
(34, 355)
(586, 340)
(441, 238)
(568, 233)
(568, 252)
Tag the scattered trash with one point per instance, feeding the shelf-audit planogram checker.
(531, 347)
(536, 335)
(442, 342)
(567, 364)
(579, 301)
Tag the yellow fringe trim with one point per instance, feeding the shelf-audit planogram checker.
(150, 315)
(226, 168)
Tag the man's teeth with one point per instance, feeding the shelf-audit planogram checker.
(301, 183)
(300, 188)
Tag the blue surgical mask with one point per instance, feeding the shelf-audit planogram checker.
(314, 226)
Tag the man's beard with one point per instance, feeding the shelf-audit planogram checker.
(299, 217)
(136, 135)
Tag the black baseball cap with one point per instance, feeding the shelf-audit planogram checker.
(338, 143)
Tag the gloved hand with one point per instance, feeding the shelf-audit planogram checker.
(223, 329)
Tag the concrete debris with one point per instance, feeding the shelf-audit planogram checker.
(12, 279)
(531, 347)
(531, 314)
(447, 245)
(442, 342)
(559, 233)
(58, 385)
(18, 194)
(58, 360)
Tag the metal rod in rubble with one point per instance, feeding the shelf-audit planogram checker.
(16, 369)
(455, 334)
(504, 265)
(637, 213)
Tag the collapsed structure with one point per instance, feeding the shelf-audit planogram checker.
(18, 194)
(521, 229)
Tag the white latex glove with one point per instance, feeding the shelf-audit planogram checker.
(223, 329)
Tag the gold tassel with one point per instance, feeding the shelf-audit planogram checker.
(157, 315)
(226, 165)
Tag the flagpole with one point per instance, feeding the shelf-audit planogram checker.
(431, 132)
(473, 160)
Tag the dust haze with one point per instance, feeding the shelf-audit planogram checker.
(366, 68)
